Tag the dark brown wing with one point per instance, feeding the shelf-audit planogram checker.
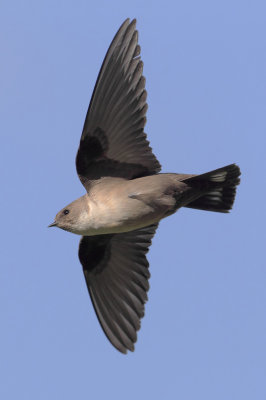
(116, 273)
(113, 142)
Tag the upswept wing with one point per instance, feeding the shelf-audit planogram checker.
(113, 142)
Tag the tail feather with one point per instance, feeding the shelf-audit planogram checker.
(218, 189)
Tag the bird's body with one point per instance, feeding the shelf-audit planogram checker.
(126, 195)
(115, 205)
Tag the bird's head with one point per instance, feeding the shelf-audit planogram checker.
(72, 217)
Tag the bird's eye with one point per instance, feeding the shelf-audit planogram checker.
(66, 212)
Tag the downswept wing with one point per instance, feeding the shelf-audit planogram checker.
(116, 273)
(113, 142)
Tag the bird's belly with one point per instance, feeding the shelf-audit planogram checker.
(121, 217)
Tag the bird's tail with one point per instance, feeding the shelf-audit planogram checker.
(218, 189)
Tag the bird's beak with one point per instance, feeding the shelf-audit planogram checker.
(53, 224)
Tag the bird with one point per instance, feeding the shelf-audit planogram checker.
(126, 195)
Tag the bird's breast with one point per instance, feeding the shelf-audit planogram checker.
(116, 214)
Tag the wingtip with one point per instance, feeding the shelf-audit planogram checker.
(128, 21)
(124, 348)
(123, 26)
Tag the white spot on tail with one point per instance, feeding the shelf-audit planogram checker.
(219, 177)
(215, 195)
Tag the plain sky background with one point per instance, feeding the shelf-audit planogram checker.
(204, 332)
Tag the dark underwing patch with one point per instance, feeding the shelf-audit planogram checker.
(94, 252)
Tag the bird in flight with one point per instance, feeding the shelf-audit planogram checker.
(126, 195)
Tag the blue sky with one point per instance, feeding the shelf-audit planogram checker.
(203, 335)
